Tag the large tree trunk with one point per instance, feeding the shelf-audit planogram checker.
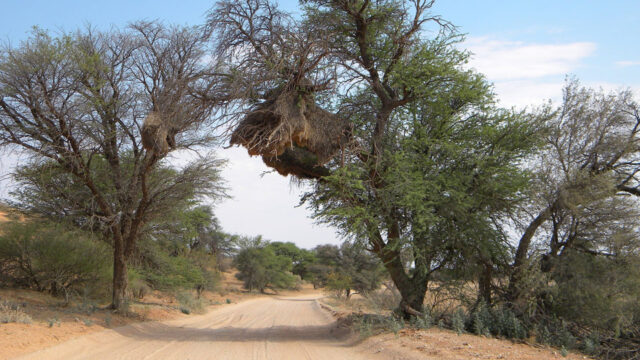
(521, 253)
(412, 303)
(119, 274)
(484, 283)
(412, 289)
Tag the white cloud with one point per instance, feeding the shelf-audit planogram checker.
(627, 63)
(526, 73)
(507, 60)
(527, 92)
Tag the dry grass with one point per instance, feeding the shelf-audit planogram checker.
(11, 312)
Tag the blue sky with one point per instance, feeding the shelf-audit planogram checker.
(525, 47)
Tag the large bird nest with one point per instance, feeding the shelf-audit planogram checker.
(292, 134)
(157, 134)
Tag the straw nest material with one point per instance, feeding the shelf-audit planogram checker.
(292, 134)
(157, 135)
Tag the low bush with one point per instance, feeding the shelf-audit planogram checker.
(157, 269)
(190, 304)
(372, 324)
(52, 257)
(13, 313)
(138, 287)
(386, 299)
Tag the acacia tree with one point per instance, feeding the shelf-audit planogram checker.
(584, 195)
(432, 163)
(351, 269)
(79, 101)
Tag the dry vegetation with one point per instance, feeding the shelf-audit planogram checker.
(368, 318)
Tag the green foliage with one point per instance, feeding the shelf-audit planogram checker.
(438, 166)
(301, 259)
(601, 292)
(138, 286)
(339, 283)
(345, 269)
(423, 322)
(458, 321)
(591, 344)
(368, 325)
(159, 269)
(53, 257)
(261, 268)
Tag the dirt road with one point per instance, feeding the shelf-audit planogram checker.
(264, 328)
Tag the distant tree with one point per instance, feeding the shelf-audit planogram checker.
(287, 249)
(300, 258)
(584, 195)
(318, 274)
(244, 242)
(260, 268)
(339, 283)
(79, 100)
(346, 269)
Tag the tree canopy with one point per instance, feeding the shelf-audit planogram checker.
(76, 103)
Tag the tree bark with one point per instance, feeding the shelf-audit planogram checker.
(412, 303)
(521, 253)
(412, 289)
(484, 284)
(119, 274)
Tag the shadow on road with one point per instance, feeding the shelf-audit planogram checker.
(163, 332)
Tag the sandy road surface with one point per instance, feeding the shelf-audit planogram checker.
(264, 328)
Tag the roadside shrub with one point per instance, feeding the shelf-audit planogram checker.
(458, 321)
(138, 287)
(496, 321)
(372, 324)
(53, 321)
(52, 257)
(385, 299)
(190, 304)
(13, 313)
(598, 292)
(423, 322)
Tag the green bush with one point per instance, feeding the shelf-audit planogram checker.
(52, 257)
(598, 292)
(159, 270)
(260, 268)
(458, 321)
(497, 321)
(423, 322)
